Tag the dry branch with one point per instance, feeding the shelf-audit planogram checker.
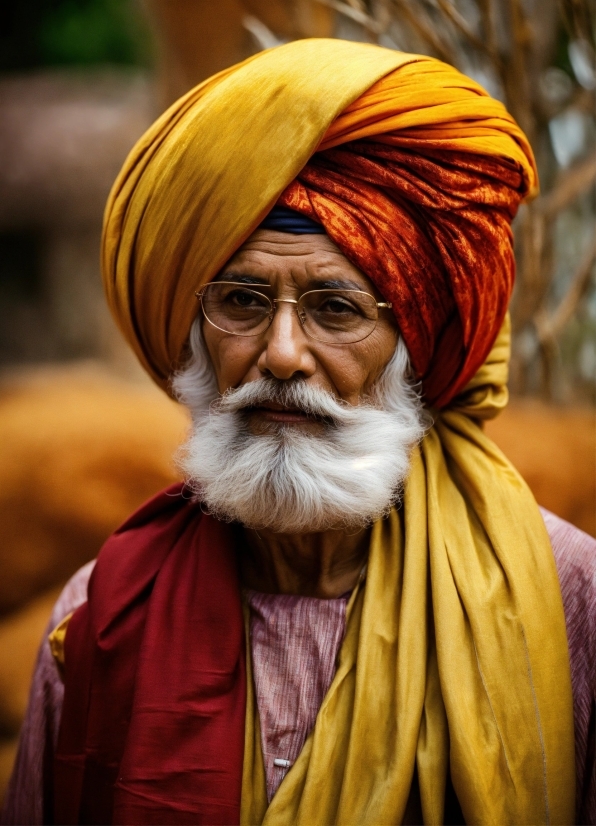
(570, 185)
(460, 23)
(354, 14)
(425, 29)
(488, 24)
(548, 328)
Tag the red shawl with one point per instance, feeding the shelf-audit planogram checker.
(152, 727)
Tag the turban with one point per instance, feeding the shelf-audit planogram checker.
(415, 173)
(413, 170)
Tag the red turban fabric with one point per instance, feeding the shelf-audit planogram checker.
(431, 229)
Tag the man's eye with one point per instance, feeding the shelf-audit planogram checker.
(243, 298)
(337, 306)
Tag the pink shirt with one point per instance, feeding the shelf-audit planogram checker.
(294, 647)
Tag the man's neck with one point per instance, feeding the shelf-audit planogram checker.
(323, 565)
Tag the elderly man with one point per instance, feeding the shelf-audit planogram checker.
(351, 611)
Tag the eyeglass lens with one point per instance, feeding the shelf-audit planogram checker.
(333, 316)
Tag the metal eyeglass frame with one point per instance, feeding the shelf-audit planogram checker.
(275, 301)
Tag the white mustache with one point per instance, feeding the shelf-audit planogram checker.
(296, 394)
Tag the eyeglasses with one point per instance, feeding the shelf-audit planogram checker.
(329, 316)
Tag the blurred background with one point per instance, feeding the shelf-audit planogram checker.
(85, 436)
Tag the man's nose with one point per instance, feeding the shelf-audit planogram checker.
(286, 351)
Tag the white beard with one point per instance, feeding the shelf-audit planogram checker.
(291, 481)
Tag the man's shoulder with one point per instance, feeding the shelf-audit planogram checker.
(73, 595)
(574, 550)
(575, 557)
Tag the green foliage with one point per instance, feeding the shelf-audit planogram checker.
(73, 33)
(561, 56)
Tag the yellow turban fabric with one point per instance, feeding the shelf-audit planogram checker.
(455, 660)
(203, 177)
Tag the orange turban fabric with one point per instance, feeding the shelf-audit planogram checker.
(414, 171)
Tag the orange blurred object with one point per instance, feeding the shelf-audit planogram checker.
(80, 451)
(554, 449)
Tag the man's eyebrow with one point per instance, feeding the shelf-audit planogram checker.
(313, 283)
(242, 279)
(335, 284)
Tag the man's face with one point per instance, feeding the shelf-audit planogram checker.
(292, 265)
(303, 437)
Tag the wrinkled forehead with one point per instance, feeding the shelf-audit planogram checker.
(288, 260)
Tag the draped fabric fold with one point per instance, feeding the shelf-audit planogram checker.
(152, 725)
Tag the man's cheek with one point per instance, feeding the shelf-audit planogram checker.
(232, 363)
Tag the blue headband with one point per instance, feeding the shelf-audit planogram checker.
(283, 219)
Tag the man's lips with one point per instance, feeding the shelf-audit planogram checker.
(274, 412)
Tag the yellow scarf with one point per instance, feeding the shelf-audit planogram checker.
(455, 656)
